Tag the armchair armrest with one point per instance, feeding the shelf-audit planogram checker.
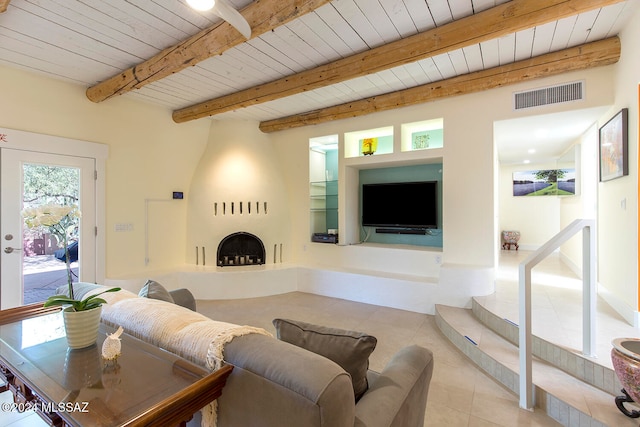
(398, 397)
(275, 384)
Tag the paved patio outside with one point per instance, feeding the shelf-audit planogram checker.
(43, 274)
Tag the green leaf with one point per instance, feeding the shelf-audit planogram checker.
(58, 300)
(96, 302)
(79, 305)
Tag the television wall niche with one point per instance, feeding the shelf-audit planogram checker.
(429, 172)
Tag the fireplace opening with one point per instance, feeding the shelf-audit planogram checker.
(241, 248)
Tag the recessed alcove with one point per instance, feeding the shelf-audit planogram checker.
(413, 173)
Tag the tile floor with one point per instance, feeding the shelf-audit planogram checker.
(460, 394)
(16, 419)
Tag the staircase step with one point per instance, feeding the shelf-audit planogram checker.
(588, 370)
(563, 397)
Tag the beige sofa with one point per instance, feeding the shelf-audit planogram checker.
(275, 383)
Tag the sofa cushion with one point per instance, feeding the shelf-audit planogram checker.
(80, 289)
(155, 290)
(349, 349)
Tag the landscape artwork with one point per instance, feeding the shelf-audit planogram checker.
(545, 182)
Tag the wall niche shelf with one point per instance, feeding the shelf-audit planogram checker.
(405, 158)
(423, 135)
(353, 155)
(323, 195)
(429, 202)
(374, 142)
(323, 184)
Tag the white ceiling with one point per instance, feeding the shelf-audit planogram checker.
(550, 136)
(88, 41)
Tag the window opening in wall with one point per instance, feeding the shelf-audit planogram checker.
(323, 188)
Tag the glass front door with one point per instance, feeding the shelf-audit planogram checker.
(33, 260)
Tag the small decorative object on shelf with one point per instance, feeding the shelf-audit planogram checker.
(420, 140)
(510, 238)
(369, 146)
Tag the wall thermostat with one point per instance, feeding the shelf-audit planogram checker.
(178, 195)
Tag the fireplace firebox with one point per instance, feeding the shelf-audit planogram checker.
(241, 248)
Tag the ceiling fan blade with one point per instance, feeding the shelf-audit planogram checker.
(226, 11)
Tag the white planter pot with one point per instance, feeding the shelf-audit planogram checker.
(81, 326)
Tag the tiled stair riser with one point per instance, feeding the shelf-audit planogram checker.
(550, 404)
(574, 364)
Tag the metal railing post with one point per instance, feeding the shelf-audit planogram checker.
(588, 300)
(526, 371)
(589, 293)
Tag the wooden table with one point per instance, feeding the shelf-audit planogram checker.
(146, 386)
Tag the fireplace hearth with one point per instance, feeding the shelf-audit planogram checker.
(240, 248)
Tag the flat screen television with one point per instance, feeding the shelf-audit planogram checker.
(400, 205)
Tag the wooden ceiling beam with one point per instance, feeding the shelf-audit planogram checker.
(4, 4)
(262, 16)
(589, 55)
(498, 21)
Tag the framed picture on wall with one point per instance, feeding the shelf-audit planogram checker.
(614, 145)
(545, 182)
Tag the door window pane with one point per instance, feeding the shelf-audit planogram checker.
(44, 267)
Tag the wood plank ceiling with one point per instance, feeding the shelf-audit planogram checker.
(388, 46)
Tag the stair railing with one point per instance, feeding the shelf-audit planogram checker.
(587, 226)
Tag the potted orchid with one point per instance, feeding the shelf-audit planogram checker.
(81, 317)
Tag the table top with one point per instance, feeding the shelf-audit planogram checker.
(95, 392)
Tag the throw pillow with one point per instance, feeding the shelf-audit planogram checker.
(155, 290)
(80, 289)
(349, 349)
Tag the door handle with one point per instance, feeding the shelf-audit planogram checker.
(9, 249)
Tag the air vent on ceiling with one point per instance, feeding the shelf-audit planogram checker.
(549, 95)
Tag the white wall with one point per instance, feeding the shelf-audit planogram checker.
(583, 205)
(238, 166)
(149, 157)
(618, 199)
(468, 255)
